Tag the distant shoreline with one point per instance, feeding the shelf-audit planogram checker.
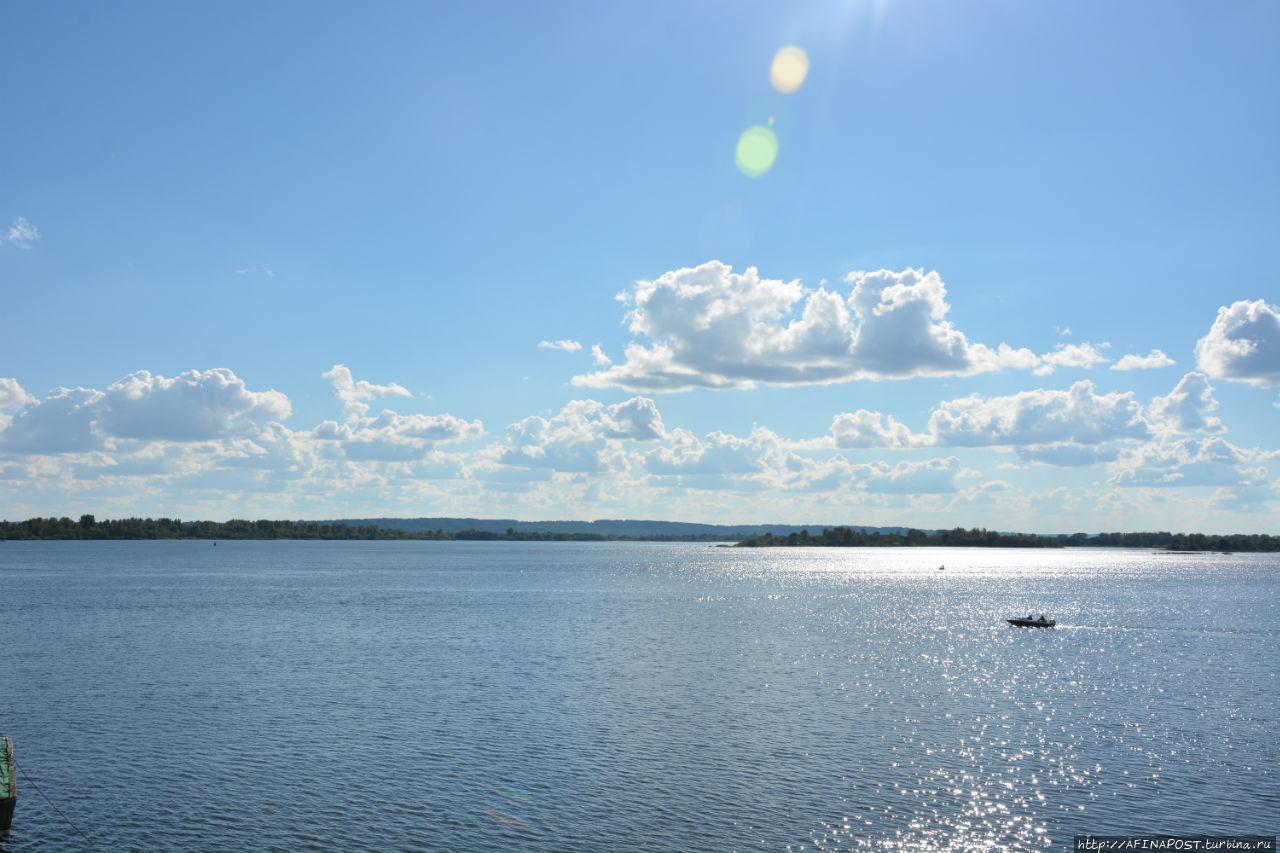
(843, 537)
(750, 536)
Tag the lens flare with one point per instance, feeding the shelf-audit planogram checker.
(508, 821)
(790, 67)
(757, 149)
(513, 792)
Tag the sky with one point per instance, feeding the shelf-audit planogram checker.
(873, 262)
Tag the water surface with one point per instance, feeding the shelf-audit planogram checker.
(624, 697)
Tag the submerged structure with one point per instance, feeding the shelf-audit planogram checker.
(8, 786)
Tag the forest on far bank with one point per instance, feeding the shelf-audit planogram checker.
(976, 537)
(88, 527)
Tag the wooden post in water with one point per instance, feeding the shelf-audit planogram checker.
(8, 786)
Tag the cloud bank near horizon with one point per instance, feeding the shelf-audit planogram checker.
(205, 432)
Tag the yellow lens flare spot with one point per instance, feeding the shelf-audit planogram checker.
(757, 149)
(790, 67)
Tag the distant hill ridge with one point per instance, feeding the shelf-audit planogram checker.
(603, 527)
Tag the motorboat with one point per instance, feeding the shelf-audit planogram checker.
(1031, 622)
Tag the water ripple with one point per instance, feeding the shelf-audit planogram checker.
(500, 696)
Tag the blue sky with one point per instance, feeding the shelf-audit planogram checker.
(1011, 267)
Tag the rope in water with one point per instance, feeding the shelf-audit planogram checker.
(32, 783)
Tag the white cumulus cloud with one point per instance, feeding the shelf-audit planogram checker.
(584, 436)
(353, 393)
(864, 429)
(1079, 415)
(1070, 355)
(193, 406)
(713, 328)
(64, 422)
(393, 437)
(1067, 454)
(1190, 462)
(1243, 345)
(718, 453)
(902, 330)
(21, 234)
(388, 436)
(566, 345)
(761, 460)
(1185, 408)
(931, 476)
(636, 419)
(1151, 360)
(12, 395)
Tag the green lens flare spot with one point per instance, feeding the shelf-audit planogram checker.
(757, 149)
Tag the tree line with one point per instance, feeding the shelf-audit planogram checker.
(846, 537)
(88, 527)
(1189, 541)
